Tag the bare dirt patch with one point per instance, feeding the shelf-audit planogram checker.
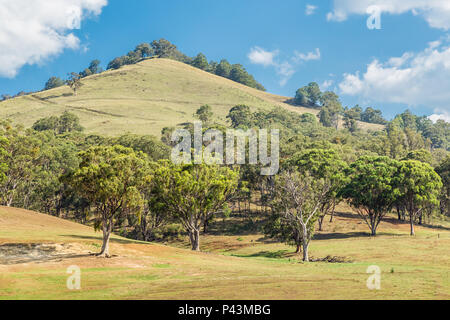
(19, 253)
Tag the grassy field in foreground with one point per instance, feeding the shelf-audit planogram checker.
(232, 267)
(144, 98)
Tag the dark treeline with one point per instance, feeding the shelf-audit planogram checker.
(164, 49)
(127, 184)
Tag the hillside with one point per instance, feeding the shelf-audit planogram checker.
(36, 250)
(144, 98)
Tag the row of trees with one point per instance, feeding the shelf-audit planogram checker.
(331, 108)
(74, 79)
(121, 182)
(314, 181)
(164, 49)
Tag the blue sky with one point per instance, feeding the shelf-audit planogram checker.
(405, 64)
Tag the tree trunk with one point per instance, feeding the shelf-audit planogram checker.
(411, 221)
(305, 243)
(333, 212)
(205, 226)
(321, 223)
(305, 251)
(107, 230)
(9, 201)
(374, 229)
(194, 236)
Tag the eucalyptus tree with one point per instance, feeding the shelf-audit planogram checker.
(325, 164)
(371, 189)
(111, 180)
(444, 172)
(20, 158)
(194, 193)
(74, 82)
(419, 186)
(298, 199)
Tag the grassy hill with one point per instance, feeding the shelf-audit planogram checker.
(36, 250)
(144, 98)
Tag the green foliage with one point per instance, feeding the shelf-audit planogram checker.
(239, 74)
(372, 189)
(74, 82)
(164, 49)
(194, 193)
(421, 155)
(297, 200)
(224, 69)
(20, 159)
(201, 62)
(418, 186)
(54, 82)
(149, 145)
(3, 155)
(309, 95)
(240, 116)
(204, 114)
(371, 115)
(438, 133)
(444, 172)
(67, 122)
(110, 179)
(94, 68)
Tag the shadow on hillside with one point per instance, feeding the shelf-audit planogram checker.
(99, 238)
(435, 227)
(393, 220)
(265, 254)
(347, 235)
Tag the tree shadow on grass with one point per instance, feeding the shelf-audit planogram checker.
(265, 254)
(100, 238)
(349, 235)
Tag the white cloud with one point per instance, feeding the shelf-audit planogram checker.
(435, 12)
(326, 85)
(33, 31)
(258, 55)
(310, 9)
(442, 116)
(415, 79)
(284, 69)
(307, 57)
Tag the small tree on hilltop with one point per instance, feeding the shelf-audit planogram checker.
(110, 178)
(53, 82)
(74, 82)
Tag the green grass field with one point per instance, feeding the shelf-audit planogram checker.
(143, 99)
(245, 266)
